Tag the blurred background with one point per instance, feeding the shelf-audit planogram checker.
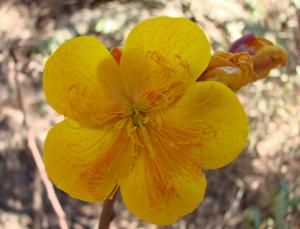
(261, 189)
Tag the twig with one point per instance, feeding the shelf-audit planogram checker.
(36, 153)
(107, 214)
(48, 185)
(37, 204)
(20, 102)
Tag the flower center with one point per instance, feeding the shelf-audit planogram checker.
(138, 117)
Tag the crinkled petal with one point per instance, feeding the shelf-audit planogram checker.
(74, 83)
(233, 69)
(86, 163)
(215, 110)
(163, 50)
(267, 58)
(158, 197)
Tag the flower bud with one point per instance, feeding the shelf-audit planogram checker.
(233, 69)
(266, 55)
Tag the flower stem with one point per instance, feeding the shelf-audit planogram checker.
(107, 214)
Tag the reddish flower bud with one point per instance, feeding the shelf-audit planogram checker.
(266, 55)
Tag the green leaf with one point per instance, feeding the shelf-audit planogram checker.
(253, 216)
(281, 203)
(294, 202)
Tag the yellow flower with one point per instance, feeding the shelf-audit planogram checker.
(145, 125)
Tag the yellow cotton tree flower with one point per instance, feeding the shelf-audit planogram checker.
(145, 126)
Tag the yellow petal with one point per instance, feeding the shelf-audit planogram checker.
(110, 77)
(72, 83)
(75, 61)
(163, 49)
(214, 109)
(149, 196)
(86, 163)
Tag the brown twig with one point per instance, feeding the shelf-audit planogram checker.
(20, 102)
(37, 202)
(36, 153)
(107, 214)
(48, 185)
